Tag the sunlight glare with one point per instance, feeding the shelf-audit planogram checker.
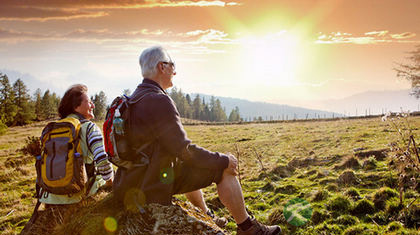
(272, 59)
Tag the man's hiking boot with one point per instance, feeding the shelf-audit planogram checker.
(260, 229)
(219, 221)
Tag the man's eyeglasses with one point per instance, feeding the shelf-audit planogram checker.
(172, 64)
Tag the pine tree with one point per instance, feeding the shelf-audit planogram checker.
(25, 110)
(219, 115)
(213, 110)
(8, 109)
(100, 105)
(55, 102)
(197, 107)
(37, 104)
(47, 105)
(234, 115)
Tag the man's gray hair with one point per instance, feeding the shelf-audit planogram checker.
(150, 57)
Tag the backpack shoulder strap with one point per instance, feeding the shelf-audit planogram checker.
(138, 97)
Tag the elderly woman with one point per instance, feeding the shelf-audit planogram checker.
(77, 104)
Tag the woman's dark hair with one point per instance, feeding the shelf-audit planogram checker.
(71, 100)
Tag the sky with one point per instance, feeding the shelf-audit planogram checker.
(292, 52)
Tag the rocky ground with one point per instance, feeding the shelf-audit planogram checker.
(107, 217)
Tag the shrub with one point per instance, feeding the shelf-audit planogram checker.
(363, 207)
(261, 206)
(411, 217)
(320, 195)
(393, 206)
(363, 229)
(268, 187)
(394, 226)
(370, 163)
(326, 228)
(348, 178)
(319, 216)
(32, 146)
(349, 162)
(276, 199)
(382, 195)
(339, 204)
(288, 189)
(3, 128)
(353, 193)
(347, 220)
(332, 187)
(380, 218)
(276, 217)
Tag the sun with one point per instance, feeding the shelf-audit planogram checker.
(272, 59)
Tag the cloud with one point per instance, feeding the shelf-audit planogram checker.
(35, 10)
(377, 33)
(41, 14)
(209, 36)
(6, 34)
(191, 42)
(403, 35)
(373, 37)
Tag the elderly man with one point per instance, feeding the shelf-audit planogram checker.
(175, 165)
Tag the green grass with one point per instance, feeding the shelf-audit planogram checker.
(317, 149)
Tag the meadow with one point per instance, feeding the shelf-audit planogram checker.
(339, 167)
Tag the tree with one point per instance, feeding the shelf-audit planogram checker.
(8, 109)
(100, 105)
(25, 110)
(47, 105)
(37, 104)
(234, 115)
(197, 107)
(55, 102)
(218, 113)
(411, 71)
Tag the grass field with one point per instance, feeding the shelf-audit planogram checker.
(333, 165)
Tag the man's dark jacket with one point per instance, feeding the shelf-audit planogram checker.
(153, 118)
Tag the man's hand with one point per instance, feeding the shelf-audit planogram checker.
(233, 165)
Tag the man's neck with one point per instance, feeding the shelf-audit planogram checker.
(158, 80)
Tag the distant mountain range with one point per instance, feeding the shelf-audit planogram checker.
(267, 111)
(372, 102)
(361, 104)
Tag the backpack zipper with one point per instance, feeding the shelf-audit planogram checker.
(51, 161)
(58, 133)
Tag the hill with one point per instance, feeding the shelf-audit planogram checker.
(267, 111)
(373, 102)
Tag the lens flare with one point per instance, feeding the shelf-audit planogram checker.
(134, 200)
(167, 175)
(110, 224)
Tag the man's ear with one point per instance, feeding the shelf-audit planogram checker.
(161, 67)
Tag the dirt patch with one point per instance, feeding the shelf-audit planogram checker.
(268, 187)
(379, 155)
(350, 162)
(288, 189)
(312, 161)
(283, 171)
(348, 178)
(14, 162)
